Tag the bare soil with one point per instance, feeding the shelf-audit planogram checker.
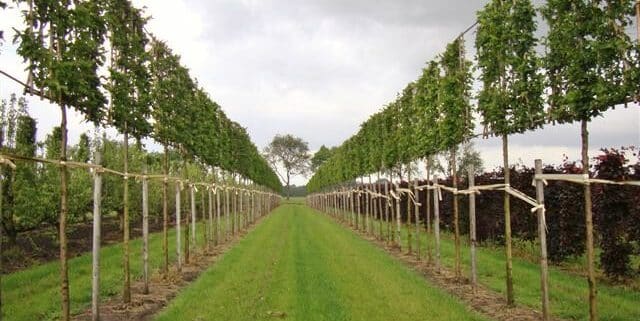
(41, 245)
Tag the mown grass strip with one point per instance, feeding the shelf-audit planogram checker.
(300, 265)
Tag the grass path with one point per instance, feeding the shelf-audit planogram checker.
(300, 265)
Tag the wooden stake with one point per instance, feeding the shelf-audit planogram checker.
(97, 237)
(193, 216)
(416, 211)
(436, 222)
(145, 232)
(591, 271)
(178, 222)
(472, 230)
(542, 235)
(507, 222)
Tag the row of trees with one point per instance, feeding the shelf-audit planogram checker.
(590, 65)
(68, 47)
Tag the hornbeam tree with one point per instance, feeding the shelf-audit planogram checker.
(511, 97)
(62, 45)
(129, 89)
(592, 65)
(455, 124)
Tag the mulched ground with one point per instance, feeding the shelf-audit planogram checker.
(161, 289)
(484, 300)
(41, 245)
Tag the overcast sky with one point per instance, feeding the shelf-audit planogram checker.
(317, 69)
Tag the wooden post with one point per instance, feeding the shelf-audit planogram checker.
(428, 212)
(398, 222)
(436, 221)
(212, 232)
(409, 234)
(178, 222)
(472, 229)
(97, 237)
(387, 204)
(193, 216)
(227, 214)
(542, 234)
(217, 226)
(145, 232)
(416, 211)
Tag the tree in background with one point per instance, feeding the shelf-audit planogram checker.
(290, 153)
(321, 156)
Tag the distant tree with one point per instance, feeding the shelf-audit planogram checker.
(289, 152)
(321, 156)
(469, 156)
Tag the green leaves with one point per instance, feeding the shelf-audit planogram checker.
(591, 63)
(62, 45)
(129, 83)
(511, 98)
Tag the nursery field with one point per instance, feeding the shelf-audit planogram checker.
(300, 265)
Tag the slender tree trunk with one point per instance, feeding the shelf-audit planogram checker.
(145, 232)
(507, 221)
(165, 214)
(288, 187)
(588, 214)
(456, 215)
(205, 223)
(64, 210)
(97, 237)
(126, 291)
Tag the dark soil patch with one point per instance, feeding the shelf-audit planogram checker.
(41, 245)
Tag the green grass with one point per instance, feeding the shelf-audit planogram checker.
(568, 292)
(34, 294)
(300, 264)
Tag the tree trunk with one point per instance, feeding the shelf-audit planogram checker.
(126, 292)
(64, 210)
(165, 213)
(187, 251)
(97, 225)
(588, 214)
(456, 215)
(507, 221)
(288, 187)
